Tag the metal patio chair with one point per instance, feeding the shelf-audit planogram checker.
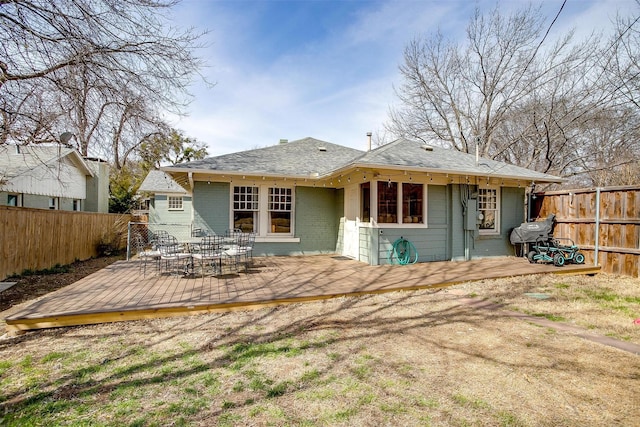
(210, 253)
(145, 254)
(173, 256)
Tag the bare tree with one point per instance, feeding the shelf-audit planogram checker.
(622, 67)
(101, 62)
(507, 90)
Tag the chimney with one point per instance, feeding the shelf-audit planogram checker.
(369, 140)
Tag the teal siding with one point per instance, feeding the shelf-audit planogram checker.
(159, 212)
(431, 243)
(444, 239)
(316, 221)
(316, 224)
(212, 206)
(456, 231)
(511, 215)
(319, 215)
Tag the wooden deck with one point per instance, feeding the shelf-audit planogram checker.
(121, 292)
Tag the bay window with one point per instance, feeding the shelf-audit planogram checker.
(387, 202)
(398, 203)
(412, 203)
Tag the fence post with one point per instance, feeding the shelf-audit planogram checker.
(128, 240)
(597, 236)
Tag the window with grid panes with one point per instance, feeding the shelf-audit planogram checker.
(174, 203)
(245, 208)
(387, 202)
(280, 202)
(488, 206)
(412, 204)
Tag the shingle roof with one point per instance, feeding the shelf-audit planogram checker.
(304, 157)
(159, 182)
(417, 155)
(309, 156)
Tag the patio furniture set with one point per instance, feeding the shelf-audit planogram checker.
(209, 254)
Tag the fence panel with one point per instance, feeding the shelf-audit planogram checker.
(38, 239)
(603, 221)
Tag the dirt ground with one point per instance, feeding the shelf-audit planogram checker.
(402, 358)
(32, 286)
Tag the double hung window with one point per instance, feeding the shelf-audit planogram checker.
(280, 209)
(488, 207)
(265, 210)
(245, 208)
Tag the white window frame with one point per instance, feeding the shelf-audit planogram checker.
(76, 205)
(246, 203)
(496, 209)
(54, 203)
(262, 223)
(279, 199)
(398, 223)
(176, 201)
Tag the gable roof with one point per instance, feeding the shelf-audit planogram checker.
(16, 160)
(159, 182)
(313, 158)
(304, 157)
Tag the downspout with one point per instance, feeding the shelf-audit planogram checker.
(597, 242)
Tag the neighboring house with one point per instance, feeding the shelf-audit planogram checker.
(310, 196)
(169, 203)
(52, 177)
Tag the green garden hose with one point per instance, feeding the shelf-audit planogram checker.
(402, 252)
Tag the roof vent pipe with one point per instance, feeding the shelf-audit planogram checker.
(369, 140)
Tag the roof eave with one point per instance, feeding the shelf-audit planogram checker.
(537, 179)
(170, 169)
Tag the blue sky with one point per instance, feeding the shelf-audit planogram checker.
(324, 68)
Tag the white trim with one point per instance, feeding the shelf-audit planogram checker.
(262, 226)
(398, 224)
(181, 198)
(496, 230)
(275, 239)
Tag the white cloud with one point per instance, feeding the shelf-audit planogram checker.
(336, 87)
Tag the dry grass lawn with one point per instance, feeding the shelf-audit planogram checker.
(419, 358)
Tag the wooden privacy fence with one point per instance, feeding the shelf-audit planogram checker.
(38, 239)
(603, 222)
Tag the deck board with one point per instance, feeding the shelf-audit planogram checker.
(122, 292)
